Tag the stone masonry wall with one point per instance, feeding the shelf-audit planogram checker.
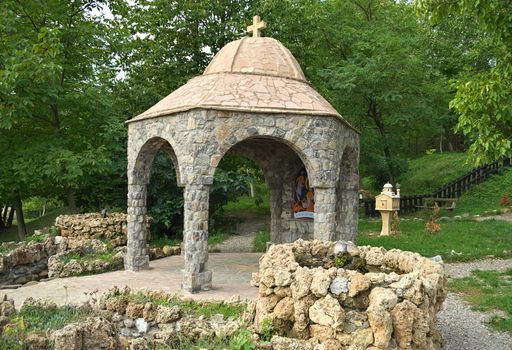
(349, 297)
(25, 262)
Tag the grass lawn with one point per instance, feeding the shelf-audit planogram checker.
(247, 206)
(429, 172)
(11, 234)
(470, 240)
(488, 291)
(487, 195)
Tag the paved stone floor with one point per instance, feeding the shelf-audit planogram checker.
(231, 275)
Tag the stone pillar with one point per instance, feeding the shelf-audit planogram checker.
(196, 277)
(325, 213)
(349, 215)
(137, 257)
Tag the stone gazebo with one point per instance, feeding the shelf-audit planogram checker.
(252, 100)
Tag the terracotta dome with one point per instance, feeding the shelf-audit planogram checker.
(252, 74)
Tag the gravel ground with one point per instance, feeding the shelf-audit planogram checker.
(459, 270)
(463, 328)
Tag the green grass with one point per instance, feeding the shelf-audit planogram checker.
(162, 241)
(470, 240)
(429, 172)
(41, 320)
(259, 244)
(488, 291)
(486, 196)
(240, 340)
(11, 234)
(206, 309)
(248, 206)
(107, 257)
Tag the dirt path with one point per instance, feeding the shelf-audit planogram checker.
(241, 240)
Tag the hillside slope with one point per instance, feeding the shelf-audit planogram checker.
(487, 195)
(429, 172)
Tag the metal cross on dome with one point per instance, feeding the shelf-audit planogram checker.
(257, 25)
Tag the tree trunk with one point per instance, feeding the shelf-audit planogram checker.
(6, 210)
(251, 187)
(2, 224)
(70, 196)
(379, 123)
(10, 217)
(20, 219)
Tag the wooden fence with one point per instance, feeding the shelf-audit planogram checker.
(453, 189)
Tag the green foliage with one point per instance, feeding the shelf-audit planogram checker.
(37, 224)
(429, 172)
(165, 198)
(486, 196)
(340, 260)
(91, 255)
(381, 82)
(35, 238)
(246, 205)
(483, 100)
(259, 244)
(195, 308)
(267, 329)
(35, 318)
(488, 291)
(457, 241)
(162, 241)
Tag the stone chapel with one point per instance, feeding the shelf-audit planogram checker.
(252, 100)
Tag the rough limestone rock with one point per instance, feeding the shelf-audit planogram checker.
(282, 343)
(339, 285)
(68, 338)
(284, 309)
(327, 312)
(302, 284)
(381, 302)
(55, 266)
(150, 311)
(36, 342)
(93, 333)
(7, 307)
(72, 268)
(166, 314)
(358, 283)
(134, 311)
(321, 281)
(306, 297)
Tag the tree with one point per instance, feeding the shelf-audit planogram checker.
(483, 100)
(165, 43)
(55, 92)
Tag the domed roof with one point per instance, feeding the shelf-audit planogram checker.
(264, 56)
(253, 74)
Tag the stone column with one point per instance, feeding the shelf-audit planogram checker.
(196, 277)
(137, 257)
(325, 213)
(349, 215)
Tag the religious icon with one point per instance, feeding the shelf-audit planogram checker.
(303, 197)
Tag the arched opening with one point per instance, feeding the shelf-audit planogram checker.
(347, 196)
(280, 166)
(156, 151)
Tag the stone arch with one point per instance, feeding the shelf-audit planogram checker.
(139, 174)
(261, 132)
(279, 163)
(140, 170)
(347, 204)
